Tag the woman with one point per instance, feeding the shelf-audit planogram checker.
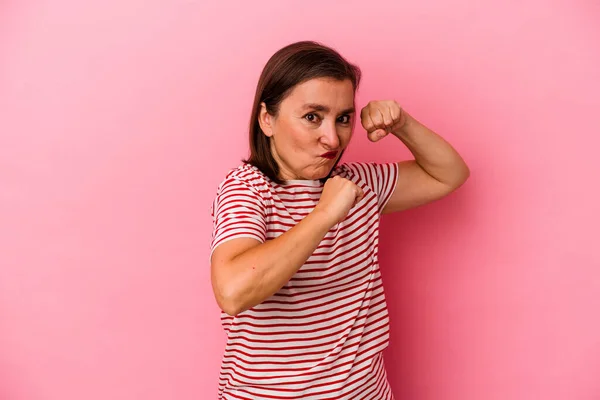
(294, 262)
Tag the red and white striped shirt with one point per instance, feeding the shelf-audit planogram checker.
(321, 336)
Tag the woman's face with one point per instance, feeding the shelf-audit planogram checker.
(312, 128)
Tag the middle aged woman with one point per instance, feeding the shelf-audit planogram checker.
(294, 262)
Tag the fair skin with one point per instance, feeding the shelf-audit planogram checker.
(316, 118)
(314, 124)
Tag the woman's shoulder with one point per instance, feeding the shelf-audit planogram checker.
(364, 167)
(378, 176)
(244, 175)
(350, 166)
(354, 169)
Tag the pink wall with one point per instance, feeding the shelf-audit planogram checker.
(119, 118)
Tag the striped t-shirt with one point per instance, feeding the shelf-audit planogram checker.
(321, 336)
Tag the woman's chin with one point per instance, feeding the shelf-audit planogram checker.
(316, 173)
(322, 172)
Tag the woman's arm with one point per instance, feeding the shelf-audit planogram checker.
(245, 272)
(437, 168)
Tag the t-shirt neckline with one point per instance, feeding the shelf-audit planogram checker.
(302, 182)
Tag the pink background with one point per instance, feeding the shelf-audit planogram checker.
(119, 118)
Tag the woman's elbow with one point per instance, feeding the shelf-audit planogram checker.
(229, 306)
(228, 299)
(460, 176)
(465, 174)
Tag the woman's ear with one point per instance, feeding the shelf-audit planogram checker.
(265, 120)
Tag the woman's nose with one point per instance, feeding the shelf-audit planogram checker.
(329, 136)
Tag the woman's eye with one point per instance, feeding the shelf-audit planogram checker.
(344, 119)
(311, 117)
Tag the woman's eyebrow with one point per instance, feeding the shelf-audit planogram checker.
(321, 107)
(316, 107)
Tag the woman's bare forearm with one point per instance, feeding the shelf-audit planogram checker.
(432, 153)
(259, 271)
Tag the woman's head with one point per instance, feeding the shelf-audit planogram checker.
(303, 113)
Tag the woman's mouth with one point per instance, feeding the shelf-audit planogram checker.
(330, 155)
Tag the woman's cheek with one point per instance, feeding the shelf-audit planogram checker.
(346, 138)
(300, 140)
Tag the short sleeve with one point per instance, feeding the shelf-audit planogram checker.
(238, 212)
(380, 177)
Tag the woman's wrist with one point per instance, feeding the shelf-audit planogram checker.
(407, 129)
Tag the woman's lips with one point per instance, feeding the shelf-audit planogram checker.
(330, 155)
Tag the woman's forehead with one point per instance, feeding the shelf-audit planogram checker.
(325, 93)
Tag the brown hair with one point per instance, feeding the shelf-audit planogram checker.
(293, 64)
